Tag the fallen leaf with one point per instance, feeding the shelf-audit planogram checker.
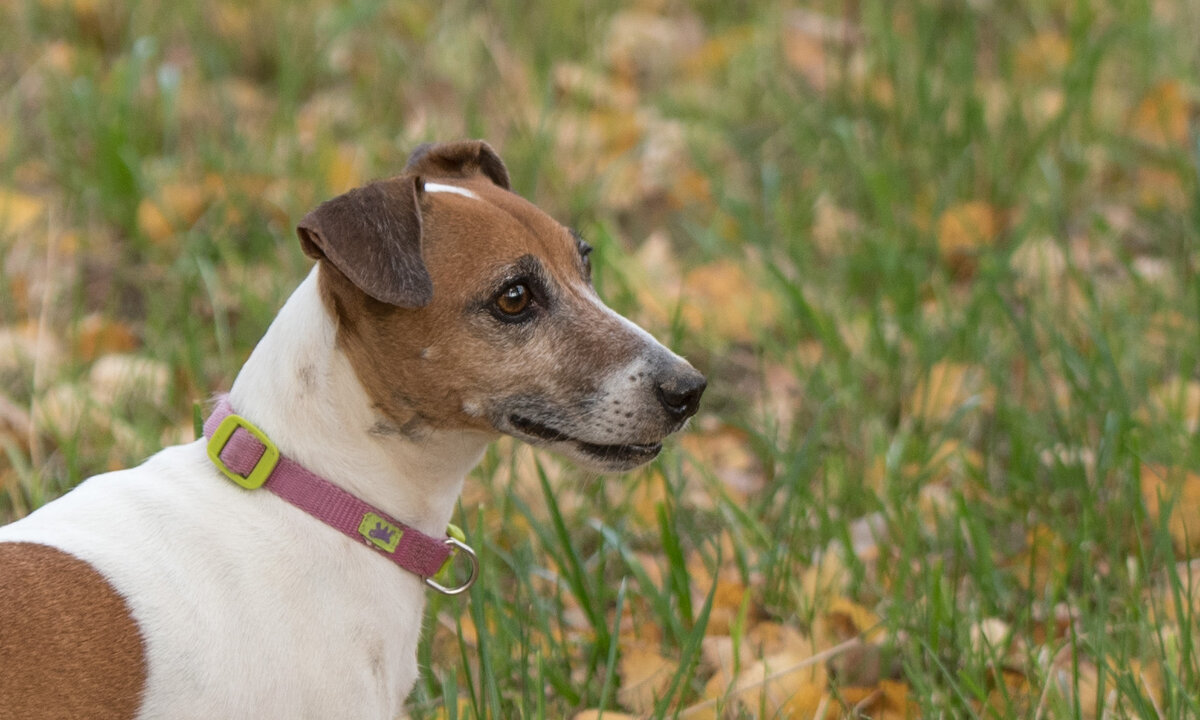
(598, 715)
(1161, 118)
(784, 685)
(824, 580)
(97, 335)
(849, 619)
(716, 52)
(18, 211)
(1176, 491)
(15, 424)
(728, 599)
(772, 638)
(645, 676)
(462, 709)
(1043, 561)
(175, 207)
(721, 299)
(963, 231)
(989, 636)
(1042, 57)
(1011, 695)
(344, 168)
(895, 703)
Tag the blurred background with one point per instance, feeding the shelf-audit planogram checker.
(938, 258)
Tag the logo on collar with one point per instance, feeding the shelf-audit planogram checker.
(379, 532)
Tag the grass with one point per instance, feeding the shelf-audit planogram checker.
(939, 261)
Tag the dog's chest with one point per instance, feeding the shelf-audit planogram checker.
(240, 597)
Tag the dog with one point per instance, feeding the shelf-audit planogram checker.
(278, 566)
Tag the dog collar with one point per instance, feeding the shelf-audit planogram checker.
(246, 456)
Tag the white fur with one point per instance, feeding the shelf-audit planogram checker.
(454, 189)
(249, 607)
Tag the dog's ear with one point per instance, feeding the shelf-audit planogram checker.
(372, 235)
(462, 159)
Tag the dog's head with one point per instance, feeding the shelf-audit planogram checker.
(461, 305)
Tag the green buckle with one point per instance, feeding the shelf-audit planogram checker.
(266, 463)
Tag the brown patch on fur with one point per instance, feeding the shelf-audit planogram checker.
(69, 647)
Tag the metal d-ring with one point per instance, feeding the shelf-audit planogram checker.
(470, 555)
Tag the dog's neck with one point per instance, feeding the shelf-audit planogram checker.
(302, 392)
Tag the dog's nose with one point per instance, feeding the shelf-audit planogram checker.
(679, 393)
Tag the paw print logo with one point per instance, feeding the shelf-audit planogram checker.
(381, 533)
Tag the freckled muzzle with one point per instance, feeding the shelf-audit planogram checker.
(622, 423)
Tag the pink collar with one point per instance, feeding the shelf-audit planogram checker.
(245, 455)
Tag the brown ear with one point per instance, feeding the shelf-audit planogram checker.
(372, 235)
(461, 159)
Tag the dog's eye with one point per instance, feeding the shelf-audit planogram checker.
(514, 300)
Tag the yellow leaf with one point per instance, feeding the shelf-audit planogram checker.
(728, 599)
(895, 703)
(1161, 118)
(600, 715)
(824, 580)
(1180, 491)
(18, 211)
(645, 676)
(1042, 56)
(178, 206)
(1011, 695)
(722, 299)
(1159, 187)
(461, 704)
(962, 231)
(772, 638)
(785, 685)
(98, 335)
(153, 223)
(849, 619)
(716, 52)
(344, 168)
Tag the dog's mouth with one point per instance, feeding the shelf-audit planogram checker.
(622, 455)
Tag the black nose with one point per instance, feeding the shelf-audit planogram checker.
(680, 391)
